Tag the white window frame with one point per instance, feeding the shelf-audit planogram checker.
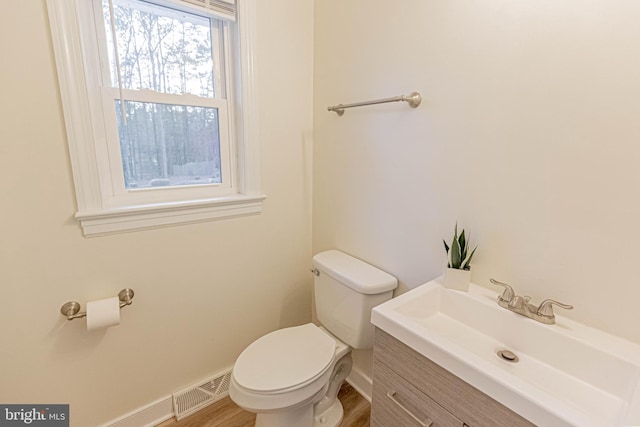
(100, 210)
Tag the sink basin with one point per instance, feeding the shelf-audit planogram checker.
(567, 374)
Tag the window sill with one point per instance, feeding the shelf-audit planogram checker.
(144, 217)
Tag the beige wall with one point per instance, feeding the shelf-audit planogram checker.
(528, 135)
(203, 291)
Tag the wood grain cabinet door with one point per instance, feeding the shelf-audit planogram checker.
(440, 386)
(397, 403)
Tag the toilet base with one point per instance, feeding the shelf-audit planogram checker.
(332, 417)
(301, 416)
(328, 411)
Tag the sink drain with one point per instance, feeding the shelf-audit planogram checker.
(507, 355)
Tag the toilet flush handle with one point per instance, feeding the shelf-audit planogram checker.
(315, 271)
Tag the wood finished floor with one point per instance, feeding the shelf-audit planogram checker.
(225, 413)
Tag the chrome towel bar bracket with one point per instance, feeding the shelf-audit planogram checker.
(71, 309)
(414, 99)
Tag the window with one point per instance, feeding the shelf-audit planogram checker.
(152, 93)
(157, 57)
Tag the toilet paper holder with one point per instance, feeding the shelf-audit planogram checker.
(71, 309)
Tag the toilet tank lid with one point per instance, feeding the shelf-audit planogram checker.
(356, 274)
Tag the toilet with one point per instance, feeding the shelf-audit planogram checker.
(291, 377)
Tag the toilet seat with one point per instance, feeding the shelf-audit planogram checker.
(285, 360)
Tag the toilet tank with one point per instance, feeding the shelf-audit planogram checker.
(346, 289)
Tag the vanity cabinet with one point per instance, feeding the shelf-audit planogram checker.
(410, 390)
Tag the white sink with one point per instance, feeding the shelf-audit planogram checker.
(567, 375)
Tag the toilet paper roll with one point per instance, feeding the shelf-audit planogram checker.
(103, 313)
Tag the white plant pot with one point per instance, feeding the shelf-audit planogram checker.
(457, 279)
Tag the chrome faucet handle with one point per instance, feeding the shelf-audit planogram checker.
(546, 307)
(507, 295)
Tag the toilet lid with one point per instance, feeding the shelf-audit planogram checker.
(285, 359)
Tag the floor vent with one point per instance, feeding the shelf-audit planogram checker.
(194, 398)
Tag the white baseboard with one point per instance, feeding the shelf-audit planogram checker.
(361, 382)
(162, 409)
(154, 413)
(148, 416)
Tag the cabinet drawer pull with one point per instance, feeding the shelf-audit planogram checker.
(392, 395)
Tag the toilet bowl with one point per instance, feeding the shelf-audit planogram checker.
(291, 377)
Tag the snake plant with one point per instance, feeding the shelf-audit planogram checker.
(458, 254)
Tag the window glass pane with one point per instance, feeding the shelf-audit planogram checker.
(169, 145)
(160, 48)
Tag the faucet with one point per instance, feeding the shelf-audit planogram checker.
(518, 304)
